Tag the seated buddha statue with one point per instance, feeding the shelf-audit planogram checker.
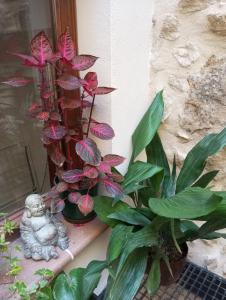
(40, 231)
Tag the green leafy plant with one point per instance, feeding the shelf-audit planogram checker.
(41, 290)
(9, 264)
(151, 233)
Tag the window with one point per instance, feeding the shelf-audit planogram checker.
(24, 166)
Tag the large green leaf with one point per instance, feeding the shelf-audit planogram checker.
(154, 277)
(128, 280)
(212, 225)
(138, 172)
(84, 280)
(189, 204)
(118, 238)
(148, 126)
(205, 179)
(145, 237)
(156, 154)
(63, 289)
(130, 216)
(196, 159)
(104, 206)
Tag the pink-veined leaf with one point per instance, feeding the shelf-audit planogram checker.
(87, 183)
(41, 48)
(104, 167)
(113, 188)
(57, 157)
(70, 103)
(55, 132)
(74, 197)
(68, 82)
(102, 90)
(73, 186)
(72, 176)
(90, 172)
(116, 177)
(45, 140)
(55, 116)
(90, 83)
(18, 81)
(28, 60)
(88, 151)
(113, 159)
(83, 62)
(102, 131)
(47, 95)
(34, 109)
(86, 104)
(61, 187)
(59, 205)
(66, 45)
(43, 116)
(85, 204)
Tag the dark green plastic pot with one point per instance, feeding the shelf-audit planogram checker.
(71, 211)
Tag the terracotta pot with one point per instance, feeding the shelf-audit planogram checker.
(177, 266)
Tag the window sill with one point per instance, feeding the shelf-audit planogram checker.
(80, 237)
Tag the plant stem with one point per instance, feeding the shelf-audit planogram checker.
(90, 116)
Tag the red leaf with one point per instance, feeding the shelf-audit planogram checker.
(102, 90)
(45, 139)
(66, 46)
(28, 60)
(41, 48)
(57, 157)
(55, 116)
(47, 95)
(90, 172)
(113, 188)
(18, 81)
(83, 62)
(90, 82)
(34, 109)
(43, 116)
(104, 167)
(85, 204)
(113, 160)
(74, 197)
(88, 151)
(72, 176)
(102, 131)
(70, 103)
(61, 187)
(68, 82)
(86, 104)
(116, 177)
(59, 205)
(73, 186)
(55, 132)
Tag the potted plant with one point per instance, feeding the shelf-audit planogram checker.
(80, 167)
(150, 236)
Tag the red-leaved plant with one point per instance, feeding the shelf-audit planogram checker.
(51, 111)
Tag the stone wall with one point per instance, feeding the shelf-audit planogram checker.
(188, 61)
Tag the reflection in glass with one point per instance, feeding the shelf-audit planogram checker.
(23, 161)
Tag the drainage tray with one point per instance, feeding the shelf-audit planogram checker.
(195, 283)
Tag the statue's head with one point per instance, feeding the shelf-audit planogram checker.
(35, 205)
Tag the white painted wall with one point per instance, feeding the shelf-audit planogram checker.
(119, 32)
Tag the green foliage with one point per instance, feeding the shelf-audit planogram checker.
(171, 203)
(148, 126)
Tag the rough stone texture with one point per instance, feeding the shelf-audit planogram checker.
(217, 23)
(189, 6)
(195, 95)
(170, 28)
(186, 55)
